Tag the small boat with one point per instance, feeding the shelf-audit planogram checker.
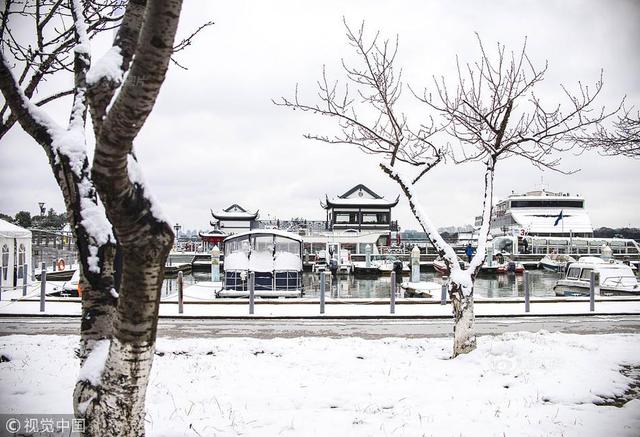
(616, 279)
(423, 289)
(510, 267)
(379, 265)
(273, 256)
(556, 262)
(440, 265)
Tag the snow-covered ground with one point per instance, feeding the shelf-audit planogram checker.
(513, 385)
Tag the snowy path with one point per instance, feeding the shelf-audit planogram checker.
(366, 328)
(517, 384)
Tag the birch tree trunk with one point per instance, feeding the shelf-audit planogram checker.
(116, 401)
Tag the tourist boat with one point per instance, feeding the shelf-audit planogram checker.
(379, 265)
(273, 256)
(616, 279)
(551, 223)
(556, 263)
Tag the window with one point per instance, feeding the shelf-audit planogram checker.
(380, 218)
(347, 218)
(4, 265)
(573, 273)
(22, 256)
(546, 204)
(586, 274)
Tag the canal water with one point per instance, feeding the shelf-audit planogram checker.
(504, 285)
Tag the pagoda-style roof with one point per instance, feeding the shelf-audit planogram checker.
(235, 212)
(212, 233)
(358, 197)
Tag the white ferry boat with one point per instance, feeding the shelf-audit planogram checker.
(543, 222)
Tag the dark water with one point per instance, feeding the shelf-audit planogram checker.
(504, 285)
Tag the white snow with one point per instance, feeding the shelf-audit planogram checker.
(108, 66)
(236, 261)
(83, 45)
(261, 261)
(93, 260)
(136, 177)
(287, 261)
(517, 384)
(94, 364)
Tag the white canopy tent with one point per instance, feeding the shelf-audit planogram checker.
(15, 252)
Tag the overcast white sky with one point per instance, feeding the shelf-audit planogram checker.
(214, 137)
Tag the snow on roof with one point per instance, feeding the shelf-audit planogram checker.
(542, 221)
(382, 202)
(235, 211)
(360, 195)
(9, 230)
(277, 232)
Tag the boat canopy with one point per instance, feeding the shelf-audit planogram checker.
(263, 250)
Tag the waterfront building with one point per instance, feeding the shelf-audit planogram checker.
(234, 219)
(359, 209)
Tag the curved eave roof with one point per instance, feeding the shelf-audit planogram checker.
(235, 215)
(213, 233)
(359, 203)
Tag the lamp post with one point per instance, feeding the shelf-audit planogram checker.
(177, 227)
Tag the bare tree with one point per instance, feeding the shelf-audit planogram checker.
(49, 51)
(107, 203)
(492, 115)
(623, 139)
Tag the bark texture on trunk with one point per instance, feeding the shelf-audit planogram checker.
(74, 180)
(464, 337)
(117, 402)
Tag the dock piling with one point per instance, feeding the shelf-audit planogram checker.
(594, 281)
(24, 279)
(526, 292)
(180, 293)
(392, 308)
(322, 291)
(252, 293)
(43, 285)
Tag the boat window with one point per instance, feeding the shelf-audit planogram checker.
(236, 245)
(546, 203)
(586, 274)
(287, 245)
(596, 243)
(263, 243)
(573, 272)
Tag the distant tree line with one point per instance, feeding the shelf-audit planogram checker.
(51, 220)
(604, 232)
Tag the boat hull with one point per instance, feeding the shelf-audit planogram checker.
(259, 293)
(576, 288)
